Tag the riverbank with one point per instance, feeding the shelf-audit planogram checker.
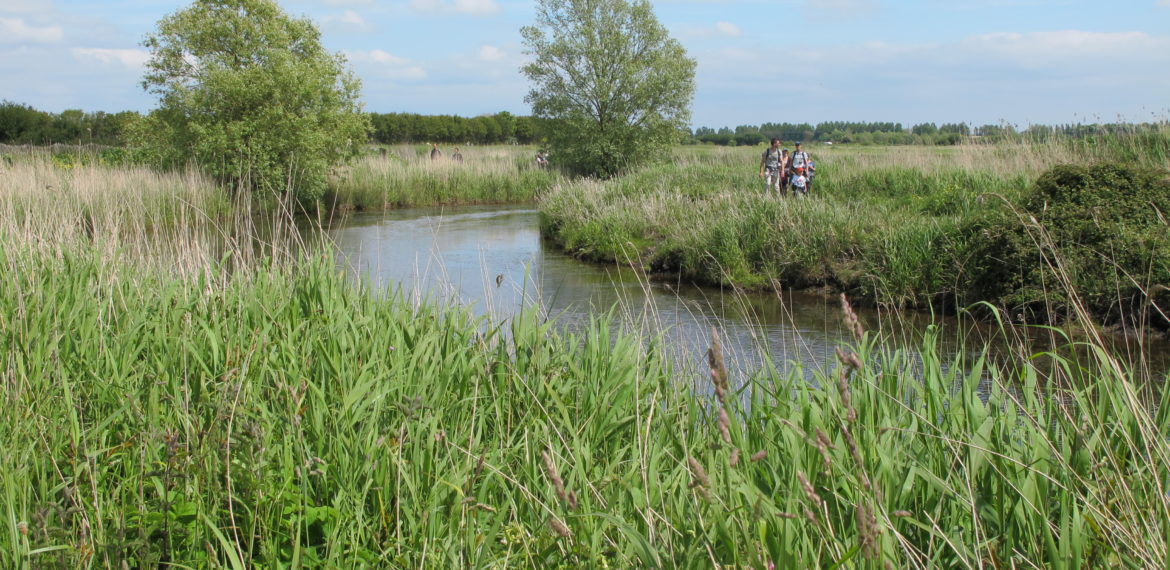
(922, 228)
(403, 176)
(176, 394)
(281, 415)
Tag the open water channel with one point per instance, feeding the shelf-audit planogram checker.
(492, 259)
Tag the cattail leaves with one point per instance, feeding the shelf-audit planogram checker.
(468, 447)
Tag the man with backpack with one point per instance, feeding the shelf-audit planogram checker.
(800, 159)
(772, 167)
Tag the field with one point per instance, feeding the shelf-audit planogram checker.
(176, 396)
(943, 228)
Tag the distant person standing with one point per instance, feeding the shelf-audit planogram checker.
(771, 167)
(457, 156)
(542, 159)
(785, 171)
(799, 183)
(436, 154)
(800, 159)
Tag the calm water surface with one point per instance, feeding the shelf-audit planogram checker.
(492, 259)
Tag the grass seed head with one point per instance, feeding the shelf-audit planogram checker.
(559, 527)
(809, 491)
(852, 322)
(699, 477)
(867, 530)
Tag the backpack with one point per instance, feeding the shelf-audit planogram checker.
(768, 154)
(803, 159)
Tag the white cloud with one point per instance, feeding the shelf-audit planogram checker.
(841, 8)
(478, 7)
(388, 65)
(490, 53)
(16, 30)
(720, 29)
(385, 58)
(1048, 48)
(25, 6)
(727, 28)
(132, 58)
(349, 20)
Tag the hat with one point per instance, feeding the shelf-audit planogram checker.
(797, 143)
(800, 170)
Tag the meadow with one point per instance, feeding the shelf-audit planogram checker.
(941, 228)
(176, 397)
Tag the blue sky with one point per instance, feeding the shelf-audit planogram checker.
(909, 61)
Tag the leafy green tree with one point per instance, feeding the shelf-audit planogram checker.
(617, 87)
(250, 95)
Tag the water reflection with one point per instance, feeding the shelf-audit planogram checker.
(492, 259)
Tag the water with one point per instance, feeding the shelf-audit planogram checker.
(493, 260)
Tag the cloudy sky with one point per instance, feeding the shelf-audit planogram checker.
(909, 61)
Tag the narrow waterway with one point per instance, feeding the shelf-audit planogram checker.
(493, 260)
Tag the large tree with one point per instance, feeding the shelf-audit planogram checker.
(615, 85)
(250, 95)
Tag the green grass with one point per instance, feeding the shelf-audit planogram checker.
(167, 402)
(406, 176)
(284, 417)
(895, 226)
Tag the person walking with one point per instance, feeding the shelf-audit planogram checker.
(799, 182)
(771, 166)
(800, 158)
(458, 156)
(436, 154)
(785, 171)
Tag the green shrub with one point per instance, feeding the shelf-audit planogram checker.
(1093, 236)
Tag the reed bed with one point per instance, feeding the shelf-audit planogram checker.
(272, 413)
(285, 417)
(405, 176)
(898, 226)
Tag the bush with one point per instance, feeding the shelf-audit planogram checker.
(1095, 236)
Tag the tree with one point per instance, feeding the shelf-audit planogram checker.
(616, 86)
(251, 96)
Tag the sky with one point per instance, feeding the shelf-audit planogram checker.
(982, 62)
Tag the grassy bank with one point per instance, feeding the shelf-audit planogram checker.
(174, 396)
(284, 417)
(405, 176)
(899, 226)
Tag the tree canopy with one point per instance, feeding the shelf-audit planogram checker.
(616, 85)
(251, 96)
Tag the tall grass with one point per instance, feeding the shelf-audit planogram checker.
(891, 225)
(406, 176)
(273, 413)
(286, 417)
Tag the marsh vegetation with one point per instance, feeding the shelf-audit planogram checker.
(169, 401)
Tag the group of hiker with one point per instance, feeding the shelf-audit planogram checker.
(436, 153)
(781, 170)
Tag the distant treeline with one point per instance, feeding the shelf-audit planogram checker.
(896, 134)
(500, 128)
(21, 124)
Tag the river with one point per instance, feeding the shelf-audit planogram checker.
(492, 259)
